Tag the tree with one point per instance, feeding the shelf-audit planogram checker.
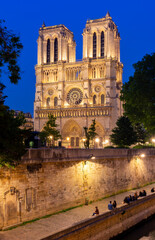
(141, 133)
(10, 48)
(123, 135)
(11, 138)
(11, 135)
(49, 132)
(90, 134)
(138, 94)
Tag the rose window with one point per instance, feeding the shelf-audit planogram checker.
(50, 92)
(97, 89)
(74, 96)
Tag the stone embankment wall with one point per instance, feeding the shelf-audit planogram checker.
(109, 224)
(50, 180)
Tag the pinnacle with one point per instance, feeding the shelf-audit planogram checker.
(43, 25)
(108, 15)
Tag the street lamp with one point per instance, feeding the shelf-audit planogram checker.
(51, 139)
(153, 140)
(142, 155)
(68, 139)
(97, 140)
(105, 142)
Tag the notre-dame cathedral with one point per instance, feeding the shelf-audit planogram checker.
(76, 92)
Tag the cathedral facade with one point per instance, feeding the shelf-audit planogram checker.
(76, 92)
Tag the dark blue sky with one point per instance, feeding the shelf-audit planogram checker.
(135, 20)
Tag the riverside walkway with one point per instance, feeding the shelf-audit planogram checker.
(45, 227)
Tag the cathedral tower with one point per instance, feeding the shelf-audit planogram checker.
(78, 92)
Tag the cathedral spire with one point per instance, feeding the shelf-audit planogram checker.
(43, 25)
(108, 15)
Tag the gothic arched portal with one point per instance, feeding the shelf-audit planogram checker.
(71, 134)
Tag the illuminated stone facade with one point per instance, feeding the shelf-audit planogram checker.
(76, 92)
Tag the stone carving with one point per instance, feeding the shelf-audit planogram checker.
(50, 92)
(97, 89)
(30, 198)
(74, 96)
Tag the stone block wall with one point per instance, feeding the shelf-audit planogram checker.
(50, 180)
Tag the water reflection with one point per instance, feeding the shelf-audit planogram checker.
(145, 231)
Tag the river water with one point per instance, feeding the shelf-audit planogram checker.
(144, 231)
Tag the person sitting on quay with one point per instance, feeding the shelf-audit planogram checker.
(126, 200)
(110, 206)
(140, 194)
(144, 193)
(96, 211)
(114, 204)
(134, 198)
(130, 198)
(153, 190)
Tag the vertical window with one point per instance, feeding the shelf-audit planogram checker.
(72, 141)
(47, 77)
(94, 73)
(94, 99)
(48, 102)
(55, 50)
(55, 101)
(101, 73)
(77, 141)
(48, 51)
(102, 44)
(102, 99)
(94, 45)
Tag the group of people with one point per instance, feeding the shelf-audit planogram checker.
(131, 198)
(111, 206)
(127, 199)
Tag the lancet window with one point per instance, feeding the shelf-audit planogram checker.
(102, 44)
(55, 50)
(94, 45)
(102, 99)
(94, 99)
(55, 102)
(94, 73)
(48, 51)
(48, 102)
(101, 73)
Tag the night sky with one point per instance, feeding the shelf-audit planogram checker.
(135, 20)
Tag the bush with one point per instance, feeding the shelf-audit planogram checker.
(140, 146)
(109, 147)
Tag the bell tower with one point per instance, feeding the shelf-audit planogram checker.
(55, 44)
(77, 92)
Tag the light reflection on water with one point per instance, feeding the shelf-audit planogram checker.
(151, 236)
(145, 231)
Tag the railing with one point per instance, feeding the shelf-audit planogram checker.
(96, 111)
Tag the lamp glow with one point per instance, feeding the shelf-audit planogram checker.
(97, 140)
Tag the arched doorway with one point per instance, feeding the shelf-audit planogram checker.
(71, 134)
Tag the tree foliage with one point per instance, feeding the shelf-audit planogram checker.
(50, 130)
(10, 48)
(138, 94)
(141, 133)
(11, 135)
(90, 133)
(123, 135)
